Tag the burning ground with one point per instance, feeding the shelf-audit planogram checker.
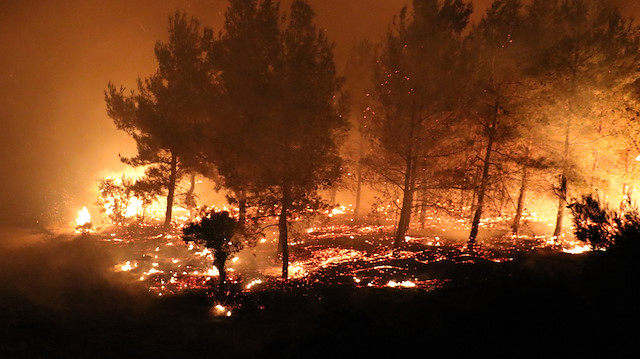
(142, 294)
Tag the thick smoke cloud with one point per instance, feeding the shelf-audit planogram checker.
(60, 273)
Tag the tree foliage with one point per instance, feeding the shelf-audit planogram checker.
(219, 232)
(279, 84)
(167, 108)
(416, 83)
(605, 228)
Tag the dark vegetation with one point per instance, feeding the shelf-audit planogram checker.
(56, 305)
(221, 234)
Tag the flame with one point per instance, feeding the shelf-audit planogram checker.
(220, 310)
(84, 217)
(127, 266)
(253, 282)
(213, 272)
(337, 211)
(403, 284)
(577, 249)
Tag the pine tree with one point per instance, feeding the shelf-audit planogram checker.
(495, 53)
(165, 113)
(244, 57)
(279, 97)
(416, 84)
(587, 62)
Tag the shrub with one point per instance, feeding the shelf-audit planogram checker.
(604, 228)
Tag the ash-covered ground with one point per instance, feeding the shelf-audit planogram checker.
(69, 296)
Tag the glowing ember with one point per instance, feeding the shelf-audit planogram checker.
(296, 271)
(127, 266)
(337, 211)
(253, 282)
(220, 310)
(324, 253)
(403, 284)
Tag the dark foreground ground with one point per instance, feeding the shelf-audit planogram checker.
(57, 299)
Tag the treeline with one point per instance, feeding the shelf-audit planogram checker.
(440, 112)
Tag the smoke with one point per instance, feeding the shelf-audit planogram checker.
(61, 273)
(56, 61)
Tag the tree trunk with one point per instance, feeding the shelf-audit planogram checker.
(242, 205)
(332, 195)
(463, 188)
(171, 190)
(423, 207)
(484, 181)
(356, 210)
(563, 190)
(283, 243)
(523, 189)
(520, 207)
(562, 199)
(219, 262)
(190, 197)
(407, 203)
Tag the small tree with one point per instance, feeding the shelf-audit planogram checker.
(605, 228)
(218, 232)
(165, 113)
(116, 196)
(593, 221)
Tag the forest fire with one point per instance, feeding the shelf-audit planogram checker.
(468, 168)
(423, 212)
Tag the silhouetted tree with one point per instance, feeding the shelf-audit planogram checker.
(245, 57)
(501, 107)
(593, 221)
(279, 88)
(416, 84)
(300, 137)
(604, 228)
(168, 107)
(220, 233)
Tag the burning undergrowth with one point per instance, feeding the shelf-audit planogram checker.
(146, 291)
(65, 271)
(337, 253)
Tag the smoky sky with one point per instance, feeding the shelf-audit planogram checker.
(56, 58)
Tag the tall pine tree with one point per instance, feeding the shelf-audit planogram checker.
(164, 115)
